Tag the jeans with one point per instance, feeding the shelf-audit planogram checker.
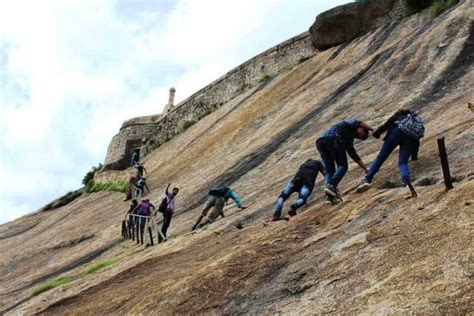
(304, 192)
(167, 215)
(408, 146)
(333, 154)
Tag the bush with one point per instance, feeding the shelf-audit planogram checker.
(439, 6)
(303, 59)
(264, 79)
(209, 110)
(90, 175)
(93, 187)
(48, 285)
(100, 265)
(187, 123)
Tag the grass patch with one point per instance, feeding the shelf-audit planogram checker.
(48, 285)
(303, 59)
(209, 110)
(439, 6)
(187, 123)
(264, 79)
(100, 265)
(93, 187)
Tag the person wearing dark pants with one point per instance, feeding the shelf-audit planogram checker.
(215, 203)
(333, 145)
(398, 135)
(302, 183)
(167, 207)
(144, 210)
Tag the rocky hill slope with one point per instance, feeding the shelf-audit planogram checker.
(378, 252)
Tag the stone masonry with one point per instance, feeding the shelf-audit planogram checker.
(148, 132)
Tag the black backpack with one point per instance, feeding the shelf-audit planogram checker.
(163, 205)
(219, 192)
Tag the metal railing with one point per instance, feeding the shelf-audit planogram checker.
(140, 228)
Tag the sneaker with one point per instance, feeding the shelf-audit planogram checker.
(275, 218)
(332, 200)
(363, 186)
(331, 190)
(328, 199)
(291, 212)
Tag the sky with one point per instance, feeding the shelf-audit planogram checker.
(71, 71)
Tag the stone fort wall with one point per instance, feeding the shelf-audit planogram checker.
(147, 133)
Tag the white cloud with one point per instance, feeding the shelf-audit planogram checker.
(72, 70)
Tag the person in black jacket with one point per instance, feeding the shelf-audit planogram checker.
(302, 183)
(334, 144)
(395, 137)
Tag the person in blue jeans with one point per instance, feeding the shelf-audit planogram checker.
(395, 137)
(334, 144)
(302, 183)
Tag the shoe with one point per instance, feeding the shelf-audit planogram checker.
(275, 218)
(332, 200)
(331, 190)
(328, 199)
(291, 212)
(363, 186)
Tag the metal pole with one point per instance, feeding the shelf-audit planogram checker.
(444, 163)
(137, 227)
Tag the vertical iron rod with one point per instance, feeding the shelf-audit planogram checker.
(444, 163)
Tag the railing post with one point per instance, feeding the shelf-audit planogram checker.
(142, 228)
(444, 163)
(137, 232)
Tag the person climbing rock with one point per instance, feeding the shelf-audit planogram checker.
(135, 158)
(404, 129)
(140, 170)
(333, 145)
(167, 207)
(216, 200)
(130, 213)
(302, 183)
(141, 185)
(143, 209)
(132, 182)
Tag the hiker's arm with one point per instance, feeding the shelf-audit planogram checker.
(144, 169)
(385, 126)
(365, 126)
(414, 155)
(236, 198)
(362, 165)
(146, 186)
(353, 154)
(167, 189)
(321, 168)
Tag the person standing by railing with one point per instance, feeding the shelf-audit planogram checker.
(167, 207)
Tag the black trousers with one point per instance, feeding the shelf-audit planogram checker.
(167, 215)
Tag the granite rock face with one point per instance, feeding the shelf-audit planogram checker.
(346, 22)
(376, 253)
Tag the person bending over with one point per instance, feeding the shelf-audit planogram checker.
(302, 183)
(334, 144)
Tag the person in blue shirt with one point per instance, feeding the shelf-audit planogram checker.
(333, 145)
(216, 200)
(135, 158)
